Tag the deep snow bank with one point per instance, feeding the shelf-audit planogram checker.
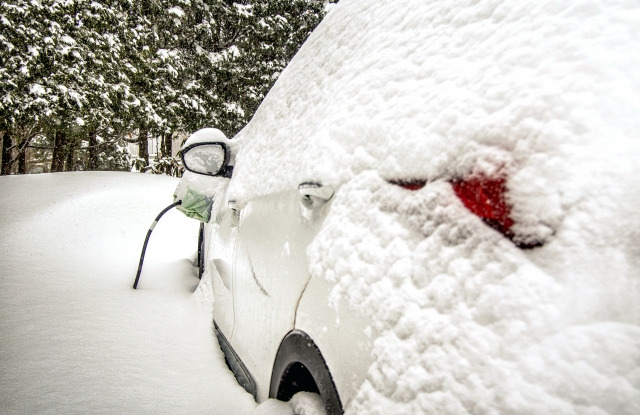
(546, 93)
(76, 338)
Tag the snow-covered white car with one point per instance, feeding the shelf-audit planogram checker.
(435, 210)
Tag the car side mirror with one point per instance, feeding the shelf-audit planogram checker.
(207, 158)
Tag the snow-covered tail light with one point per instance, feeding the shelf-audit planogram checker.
(486, 198)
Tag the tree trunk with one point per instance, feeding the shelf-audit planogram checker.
(70, 164)
(143, 145)
(22, 162)
(166, 145)
(59, 141)
(94, 159)
(6, 154)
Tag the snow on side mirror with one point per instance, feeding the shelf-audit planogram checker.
(210, 159)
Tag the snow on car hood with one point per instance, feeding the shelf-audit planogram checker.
(546, 92)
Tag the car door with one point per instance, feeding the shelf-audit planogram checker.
(271, 273)
(220, 246)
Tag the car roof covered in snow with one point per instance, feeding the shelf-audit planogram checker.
(440, 89)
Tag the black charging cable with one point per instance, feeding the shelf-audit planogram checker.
(146, 240)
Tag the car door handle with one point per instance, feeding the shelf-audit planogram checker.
(315, 194)
(235, 209)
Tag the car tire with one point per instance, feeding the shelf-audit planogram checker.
(300, 367)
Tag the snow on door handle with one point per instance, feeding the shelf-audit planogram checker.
(315, 194)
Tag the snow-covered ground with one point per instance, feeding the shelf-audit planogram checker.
(75, 338)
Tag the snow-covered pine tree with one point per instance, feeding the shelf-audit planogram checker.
(19, 57)
(272, 32)
(59, 80)
(78, 76)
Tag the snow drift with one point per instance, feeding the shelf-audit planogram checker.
(76, 338)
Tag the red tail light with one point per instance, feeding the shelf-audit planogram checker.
(485, 197)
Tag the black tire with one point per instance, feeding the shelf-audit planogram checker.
(300, 367)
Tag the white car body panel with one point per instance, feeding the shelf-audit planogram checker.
(220, 237)
(343, 336)
(259, 252)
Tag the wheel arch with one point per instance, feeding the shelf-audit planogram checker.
(297, 359)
